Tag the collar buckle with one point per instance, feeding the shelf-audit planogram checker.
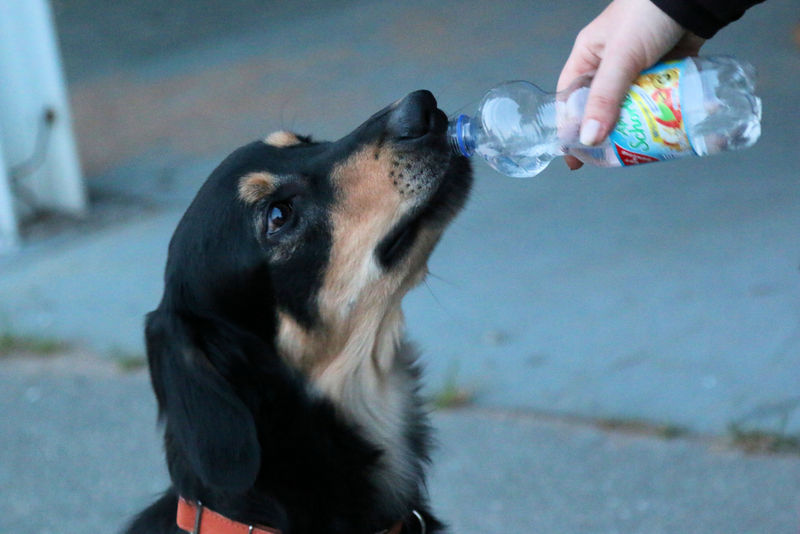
(198, 516)
(421, 520)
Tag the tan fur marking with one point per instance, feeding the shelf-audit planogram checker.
(282, 139)
(298, 346)
(367, 207)
(255, 186)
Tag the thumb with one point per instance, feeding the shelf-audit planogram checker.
(612, 81)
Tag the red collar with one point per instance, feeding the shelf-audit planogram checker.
(197, 519)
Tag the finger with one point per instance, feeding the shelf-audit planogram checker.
(613, 79)
(575, 67)
(573, 163)
(582, 60)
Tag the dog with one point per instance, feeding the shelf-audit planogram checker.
(288, 395)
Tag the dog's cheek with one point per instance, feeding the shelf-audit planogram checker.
(366, 207)
(297, 269)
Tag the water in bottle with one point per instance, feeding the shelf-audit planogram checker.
(694, 106)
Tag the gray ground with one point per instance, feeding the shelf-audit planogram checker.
(666, 294)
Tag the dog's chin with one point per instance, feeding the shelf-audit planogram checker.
(431, 214)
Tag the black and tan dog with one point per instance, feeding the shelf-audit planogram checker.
(277, 354)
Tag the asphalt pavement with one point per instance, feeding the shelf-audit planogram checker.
(81, 454)
(588, 318)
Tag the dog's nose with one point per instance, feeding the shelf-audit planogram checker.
(412, 118)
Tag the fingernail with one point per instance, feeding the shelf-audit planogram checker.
(590, 130)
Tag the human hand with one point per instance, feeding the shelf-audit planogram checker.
(626, 38)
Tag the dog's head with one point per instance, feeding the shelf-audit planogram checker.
(295, 250)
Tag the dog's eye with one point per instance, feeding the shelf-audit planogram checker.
(278, 215)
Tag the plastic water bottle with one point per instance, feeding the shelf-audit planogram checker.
(694, 106)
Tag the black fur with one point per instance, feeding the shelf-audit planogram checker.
(242, 432)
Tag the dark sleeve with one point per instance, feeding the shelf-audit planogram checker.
(705, 17)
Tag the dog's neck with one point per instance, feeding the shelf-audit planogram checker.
(366, 339)
(362, 371)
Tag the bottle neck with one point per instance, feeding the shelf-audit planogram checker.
(460, 137)
(462, 141)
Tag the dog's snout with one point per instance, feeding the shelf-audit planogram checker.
(412, 118)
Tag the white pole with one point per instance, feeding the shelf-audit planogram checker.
(8, 222)
(31, 82)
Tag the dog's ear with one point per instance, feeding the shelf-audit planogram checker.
(206, 417)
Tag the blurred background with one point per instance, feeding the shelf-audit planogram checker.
(608, 350)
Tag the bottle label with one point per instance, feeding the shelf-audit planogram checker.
(651, 126)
